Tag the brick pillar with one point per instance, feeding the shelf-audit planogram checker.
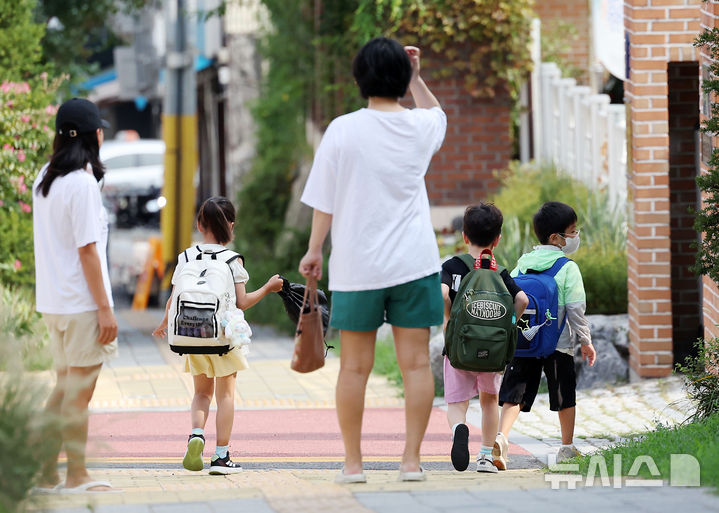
(659, 31)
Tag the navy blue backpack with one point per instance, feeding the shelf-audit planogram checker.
(538, 327)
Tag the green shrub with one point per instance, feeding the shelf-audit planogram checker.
(23, 445)
(701, 378)
(525, 187)
(25, 141)
(604, 271)
(26, 342)
(23, 424)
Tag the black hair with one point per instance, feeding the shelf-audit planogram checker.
(382, 68)
(215, 215)
(553, 217)
(482, 223)
(70, 154)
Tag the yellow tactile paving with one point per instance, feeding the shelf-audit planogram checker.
(266, 384)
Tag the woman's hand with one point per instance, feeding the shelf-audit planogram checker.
(413, 54)
(108, 325)
(274, 284)
(311, 264)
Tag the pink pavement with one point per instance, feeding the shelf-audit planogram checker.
(267, 433)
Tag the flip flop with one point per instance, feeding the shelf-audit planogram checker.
(42, 490)
(343, 478)
(85, 488)
(413, 476)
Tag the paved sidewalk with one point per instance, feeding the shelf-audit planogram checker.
(298, 491)
(287, 439)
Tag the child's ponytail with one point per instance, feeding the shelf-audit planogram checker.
(215, 215)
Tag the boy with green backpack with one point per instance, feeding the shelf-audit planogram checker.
(482, 303)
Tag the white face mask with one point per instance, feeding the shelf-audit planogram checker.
(572, 245)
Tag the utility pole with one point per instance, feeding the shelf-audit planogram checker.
(179, 128)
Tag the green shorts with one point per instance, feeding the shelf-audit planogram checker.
(415, 304)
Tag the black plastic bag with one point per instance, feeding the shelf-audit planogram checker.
(292, 295)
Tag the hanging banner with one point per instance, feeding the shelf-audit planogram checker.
(608, 35)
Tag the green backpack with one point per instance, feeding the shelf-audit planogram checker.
(481, 333)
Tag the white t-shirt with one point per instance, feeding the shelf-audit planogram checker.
(238, 271)
(368, 173)
(69, 217)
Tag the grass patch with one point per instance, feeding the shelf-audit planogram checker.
(698, 439)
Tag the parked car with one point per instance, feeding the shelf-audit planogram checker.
(131, 192)
(133, 181)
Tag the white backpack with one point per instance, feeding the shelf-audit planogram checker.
(204, 291)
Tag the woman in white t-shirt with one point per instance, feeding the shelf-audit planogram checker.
(72, 283)
(367, 184)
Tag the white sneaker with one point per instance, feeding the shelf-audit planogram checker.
(567, 453)
(499, 452)
(484, 464)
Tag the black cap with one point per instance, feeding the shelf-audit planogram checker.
(78, 116)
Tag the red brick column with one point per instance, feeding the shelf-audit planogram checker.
(659, 31)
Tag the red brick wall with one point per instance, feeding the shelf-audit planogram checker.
(577, 13)
(683, 82)
(710, 292)
(478, 143)
(659, 31)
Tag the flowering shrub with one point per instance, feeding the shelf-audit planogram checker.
(26, 133)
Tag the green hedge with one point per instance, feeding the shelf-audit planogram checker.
(26, 341)
(601, 257)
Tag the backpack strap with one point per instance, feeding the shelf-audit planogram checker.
(467, 260)
(213, 255)
(235, 257)
(552, 271)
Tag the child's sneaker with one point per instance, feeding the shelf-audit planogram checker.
(223, 466)
(484, 464)
(499, 452)
(566, 453)
(193, 454)
(460, 448)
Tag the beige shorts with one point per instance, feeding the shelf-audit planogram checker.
(73, 340)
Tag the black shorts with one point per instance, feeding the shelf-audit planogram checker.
(521, 381)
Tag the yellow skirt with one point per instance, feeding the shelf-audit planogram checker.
(215, 366)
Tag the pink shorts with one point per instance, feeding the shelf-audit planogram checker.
(462, 385)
